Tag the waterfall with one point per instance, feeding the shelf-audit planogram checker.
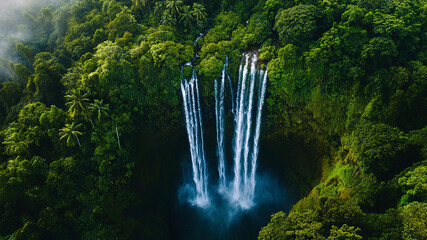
(247, 103)
(261, 96)
(219, 117)
(193, 122)
(246, 134)
(238, 130)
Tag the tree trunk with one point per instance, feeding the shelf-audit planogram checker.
(78, 141)
(118, 138)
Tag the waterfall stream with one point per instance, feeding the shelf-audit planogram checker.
(193, 122)
(246, 131)
(219, 117)
(247, 104)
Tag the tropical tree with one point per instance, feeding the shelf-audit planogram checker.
(186, 16)
(174, 7)
(167, 19)
(159, 8)
(45, 81)
(99, 108)
(15, 144)
(10, 94)
(296, 25)
(70, 132)
(77, 102)
(139, 4)
(199, 11)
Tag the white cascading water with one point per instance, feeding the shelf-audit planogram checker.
(193, 122)
(238, 132)
(219, 117)
(254, 157)
(246, 134)
(247, 110)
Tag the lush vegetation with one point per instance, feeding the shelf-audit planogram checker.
(352, 75)
(349, 74)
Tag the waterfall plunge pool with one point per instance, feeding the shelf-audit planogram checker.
(161, 161)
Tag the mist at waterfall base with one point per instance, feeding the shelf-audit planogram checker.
(222, 220)
(221, 197)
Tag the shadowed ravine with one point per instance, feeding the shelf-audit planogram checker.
(164, 216)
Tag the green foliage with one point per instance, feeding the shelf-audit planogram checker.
(295, 226)
(225, 23)
(160, 34)
(170, 54)
(31, 113)
(344, 232)
(378, 146)
(275, 228)
(25, 134)
(303, 225)
(419, 138)
(385, 225)
(15, 143)
(10, 94)
(7, 70)
(26, 52)
(288, 80)
(53, 118)
(99, 109)
(414, 221)
(255, 33)
(199, 11)
(274, 5)
(22, 73)
(172, 12)
(28, 231)
(45, 80)
(71, 134)
(317, 221)
(414, 184)
(211, 67)
(380, 50)
(77, 103)
(296, 25)
(124, 22)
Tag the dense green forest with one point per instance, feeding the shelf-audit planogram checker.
(347, 76)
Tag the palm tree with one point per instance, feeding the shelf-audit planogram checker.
(174, 7)
(70, 132)
(159, 8)
(118, 138)
(168, 20)
(99, 108)
(186, 16)
(139, 4)
(199, 11)
(77, 104)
